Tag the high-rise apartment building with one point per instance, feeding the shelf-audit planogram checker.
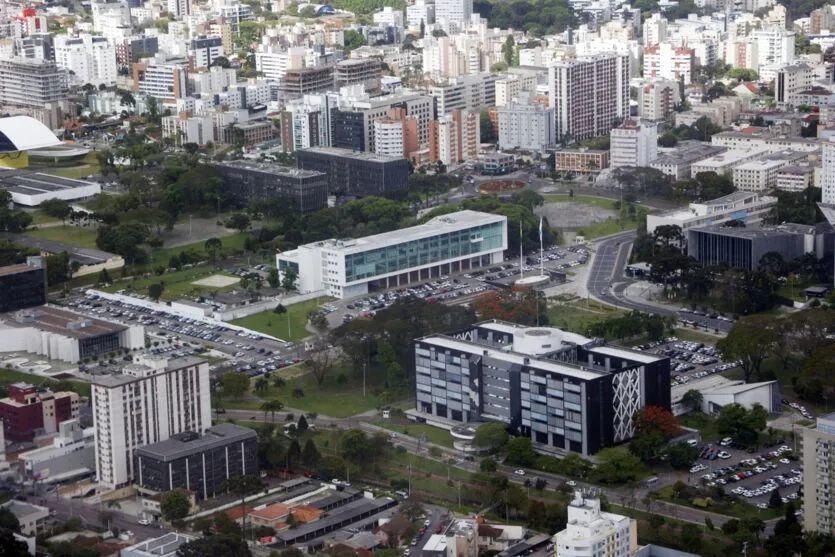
(589, 95)
(89, 59)
(657, 99)
(454, 137)
(179, 8)
(669, 62)
(591, 532)
(655, 30)
(165, 81)
(468, 92)
(634, 143)
(828, 173)
(526, 125)
(151, 400)
(453, 13)
(420, 11)
(775, 46)
(31, 83)
(397, 135)
(791, 80)
(819, 475)
(204, 50)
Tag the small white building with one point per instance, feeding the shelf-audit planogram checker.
(633, 144)
(32, 518)
(718, 391)
(724, 163)
(749, 207)
(33, 188)
(761, 174)
(592, 533)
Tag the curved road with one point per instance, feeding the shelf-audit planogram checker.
(607, 282)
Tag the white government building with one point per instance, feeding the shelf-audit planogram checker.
(152, 399)
(593, 533)
(345, 268)
(748, 207)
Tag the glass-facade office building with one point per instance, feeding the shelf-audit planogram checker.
(564, 391)
(448, 244)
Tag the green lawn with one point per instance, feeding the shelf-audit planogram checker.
(705, 424)
(39, 217)
(8, 376)
(433, 434)
(289, 326)
(72, 235)
(579, 315)
(606, 227)
(602, 202)
(335, 398)
(177, 284)
(232, 244)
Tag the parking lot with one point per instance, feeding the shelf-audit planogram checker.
(688, 359)
(177, 335)
(750, 475)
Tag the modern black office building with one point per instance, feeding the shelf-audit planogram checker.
(305, 191)
(348, 129)
(201, 464)
(565, 391)
(23, 285)
(356, 173)
(743, 247)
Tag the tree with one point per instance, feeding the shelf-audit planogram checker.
(280, 309)
(215, 546)
(302, 426)
(155, 290)
(175, 505)
(693, 400)
(57, 208)
(354, 446)
(681, 455)
(321, 358)
(271, 406)
(310, 454)
(8, 520)
(616, 466)
(668, 139)
(816, 378)
(750, 341)
(213, 247)
(10, 546)
(244, 486)
(273, 279)
(288, 278)
(491, 436)
(235, 385)
(487, 465)
(741, 424)
(775, 500)
(353, 40)
(520, 452)
(318, 320)
(647, 446)
(656, 420)
(509, 53)
(220, 61)
(239, 222)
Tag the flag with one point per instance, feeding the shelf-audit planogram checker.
(540, 230)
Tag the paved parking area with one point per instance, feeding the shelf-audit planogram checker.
(688, 359)
(751, 476)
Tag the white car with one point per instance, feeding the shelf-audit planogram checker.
(785, 461)
(519, 472)
(571, 483)
(144, 522)
(724, 455)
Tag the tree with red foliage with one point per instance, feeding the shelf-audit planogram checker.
(656, 420)
(525, 306)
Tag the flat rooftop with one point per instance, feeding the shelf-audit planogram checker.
(60, 321)
(349, 154)
(125, 378)
(439, 225)
(16, 268)
(35, 183)
(756, 231)
(272, 168)
(687, 153)
(185, 445)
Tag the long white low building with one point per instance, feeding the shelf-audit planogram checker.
(344, 268)
(748, 207)
(33, 188)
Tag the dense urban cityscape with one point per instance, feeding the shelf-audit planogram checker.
(417, 278)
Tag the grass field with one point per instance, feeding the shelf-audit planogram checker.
(8, 376)
(177, 284)
(72, 235)
(433, 434)
(705, 424)
(231, 244)
(579, 315)
(289, 326)
(88, 166)
(334, 398)
(602, 202)
(606, 227)
(39, 217)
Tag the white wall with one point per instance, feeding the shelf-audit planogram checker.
(83, 191)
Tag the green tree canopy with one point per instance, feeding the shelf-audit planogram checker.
(175, 505)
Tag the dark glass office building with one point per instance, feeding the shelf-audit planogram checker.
(201, 464)
(356, 173)
(564, 391)
(348, 130)
(24, 285)
(304, 191)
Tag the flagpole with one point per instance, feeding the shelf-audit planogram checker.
(541, 250)
(521, 254)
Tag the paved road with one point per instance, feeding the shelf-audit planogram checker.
(91, 515)
(608, 283)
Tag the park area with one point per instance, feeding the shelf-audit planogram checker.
(289, 326)
(588, 216)
(77, 236)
